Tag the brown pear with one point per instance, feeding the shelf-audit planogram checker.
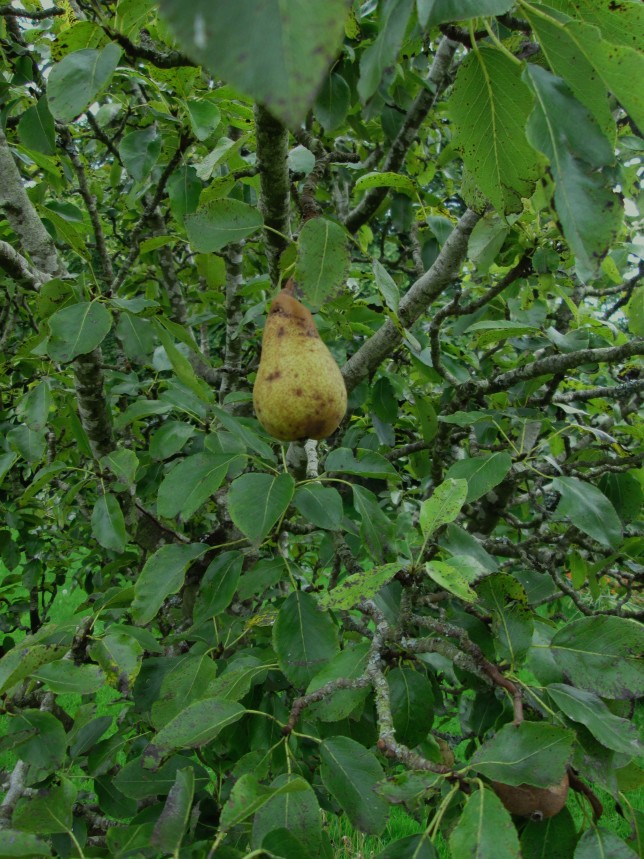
(299, 392)
(537, 803)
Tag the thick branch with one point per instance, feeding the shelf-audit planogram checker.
(423, 103)
(169, 60)
(18, 268)
(12, 12)
(23, 217)
(560, 363)
(413, 304)
(272, 152)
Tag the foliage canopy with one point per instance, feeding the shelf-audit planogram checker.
(212, 643)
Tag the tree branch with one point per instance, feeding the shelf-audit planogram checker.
(272, 152)
(19, 268)
(413, 304)
(423, 103)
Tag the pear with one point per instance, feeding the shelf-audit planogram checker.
(537, 803)
(299, 392)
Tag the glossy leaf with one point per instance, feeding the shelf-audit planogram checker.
(218, 586)
(481, 472)
(484, 830)
(304, 638)
(77, 330)
(239, 45)
(533, 753)
(297, 811)
(602, 655)
(170, 828)
(489, 107)
(48, 812)
(412, 704)
(193, 727)
(322, 259)
(589, 510)
(350, 664)
(192, 482)
(108, 524)
(601, 843)
(350, 772)
(444, 505)
(216, 224)
(78, 78)
(162, 575)
(257, 501)
(321, 505)
(248, 796)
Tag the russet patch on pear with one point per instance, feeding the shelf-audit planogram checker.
(299, 392)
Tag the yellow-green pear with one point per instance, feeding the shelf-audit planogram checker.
(299, 392)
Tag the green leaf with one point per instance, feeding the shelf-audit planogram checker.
(65, 677)
(6, 461)
(512, 619)
(534, 753)
(321, 505)
(47, 813)
(489, 107)
(34, 407)
(350, 772)
(567, 59)
(444, 505)
(387, 180)
(184, 190)
(36, 128)
(108, 524)
(162, 575)
(193, 727)
(433, 12)
(333, 102)
(375, 528)
(358, 586)
(218, 586)
(481, 472)
(23, 661)
(119, 655)
(448, 577)
(170, 438)
(589, 510)
(589, 709)
(600, 843)
(322, 259)
(368, 464)
(181, 365)
(554, 837)
(132, 16)
(22, 845)
(136, 782)
(412, 705)
(219, 222)
(192, 482)
(204, 117)
(187, 681)
(139, 151)
(409, 847)
(77, 329)
(76, 81)
(257, 501)
(41, 741)
(384, 50)
(297, 811)
(387, 286)
(304, 638)
(635, 312)
(484, 830)
(602, 655)
(248, 796)
(122, 463)
(170, 828)
(562, 128)
(277, 52)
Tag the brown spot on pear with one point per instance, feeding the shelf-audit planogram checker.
(537, 803)
(292, 344)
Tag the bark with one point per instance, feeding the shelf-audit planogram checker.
(413, 304)
(272, 152)
(423, 103)
(232, 374)
(23, 218)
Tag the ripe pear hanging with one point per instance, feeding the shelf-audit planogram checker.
(299, 392)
